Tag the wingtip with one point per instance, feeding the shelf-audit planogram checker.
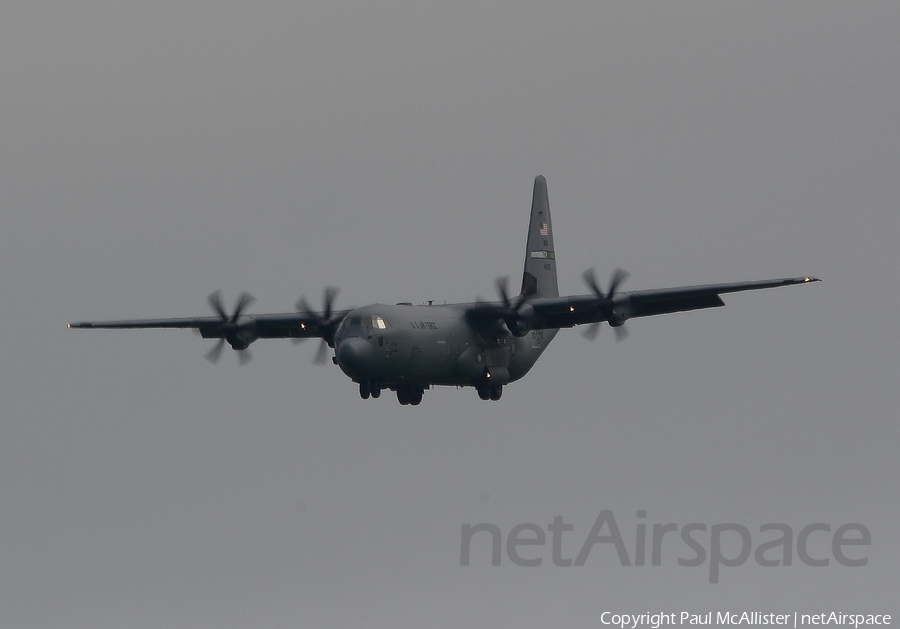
(811, 279)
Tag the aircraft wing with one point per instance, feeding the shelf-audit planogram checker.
(567, 311)
(267, 326)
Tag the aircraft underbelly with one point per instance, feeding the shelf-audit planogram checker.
(444, 361)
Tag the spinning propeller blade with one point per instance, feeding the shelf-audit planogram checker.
(230, 326)
(324, 321)
(605, 302)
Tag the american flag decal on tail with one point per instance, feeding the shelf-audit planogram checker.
(545, 229)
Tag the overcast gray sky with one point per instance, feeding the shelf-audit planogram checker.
(155, 152)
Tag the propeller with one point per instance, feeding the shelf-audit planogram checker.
(515, 314)
(605, 302)
(325, 321)
(231, 329)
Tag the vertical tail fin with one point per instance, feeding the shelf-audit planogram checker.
(539, 278)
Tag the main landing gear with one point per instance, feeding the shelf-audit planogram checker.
(409, 395)
(489, 391)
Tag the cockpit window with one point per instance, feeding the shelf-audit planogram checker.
(376, 322)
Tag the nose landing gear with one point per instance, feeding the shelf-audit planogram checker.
(367, 389)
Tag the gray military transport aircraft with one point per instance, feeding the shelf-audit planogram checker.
(485, 345)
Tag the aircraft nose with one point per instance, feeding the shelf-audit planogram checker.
(354, 356)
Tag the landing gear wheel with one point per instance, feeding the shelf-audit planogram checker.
(375, 390)
(409, 395)
(364, 390)
(496, 390)
(484, 391)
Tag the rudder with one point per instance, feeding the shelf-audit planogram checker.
(539, 278)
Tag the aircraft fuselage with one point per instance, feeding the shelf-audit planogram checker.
(418, 346)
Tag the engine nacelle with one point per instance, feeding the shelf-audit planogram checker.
(523, 322)
(618, 316)
(240, 336)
